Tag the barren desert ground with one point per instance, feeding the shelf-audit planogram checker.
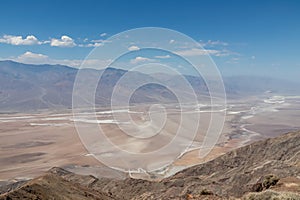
(32, 143)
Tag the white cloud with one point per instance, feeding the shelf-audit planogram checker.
(133, 48)
(91, 63)
(29, 54)
(140, 59)
(212, 43)
(36, 58)
(32, 58)
(163, 57)
(201, 52)
(19, 40)
(103, 34)
(275, 64)
(99, 41)
(95, 43)
(226, 52)
(171, 41)
(64, 41)
(197, 52)
(233, 60)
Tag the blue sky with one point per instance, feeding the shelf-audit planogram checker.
(256, 37)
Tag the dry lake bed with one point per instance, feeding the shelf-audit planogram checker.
(31, 143)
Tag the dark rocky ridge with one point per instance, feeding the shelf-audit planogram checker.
(231, 175)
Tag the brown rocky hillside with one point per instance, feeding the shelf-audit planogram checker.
(268, 169)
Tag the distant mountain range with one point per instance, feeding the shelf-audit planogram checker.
(25, 87)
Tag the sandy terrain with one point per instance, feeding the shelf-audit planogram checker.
(32, 143)
(251, 120)
(27, 150)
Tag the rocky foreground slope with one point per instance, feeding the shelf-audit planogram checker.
(262, 170)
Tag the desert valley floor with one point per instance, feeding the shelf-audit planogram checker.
(32, 143)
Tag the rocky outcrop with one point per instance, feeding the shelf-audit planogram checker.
(270, 164)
